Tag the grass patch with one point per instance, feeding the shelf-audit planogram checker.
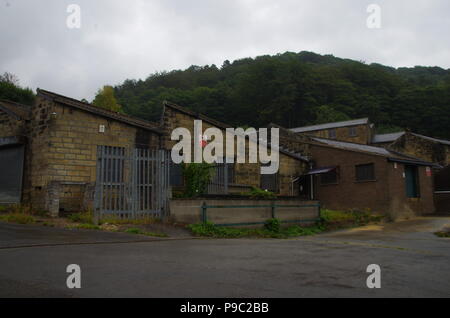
(336, 218)
(85, 217)
(330, 220)
(19, 218)
(269, 231)
(84, 226)
(442, 234)
(139, 231)
(118, 221)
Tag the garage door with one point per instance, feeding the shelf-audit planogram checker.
(11, 172)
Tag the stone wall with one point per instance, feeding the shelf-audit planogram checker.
(363, 134)
(422, 148)
(10, 126)
(246, 174)
(63, 149)
(189, 211)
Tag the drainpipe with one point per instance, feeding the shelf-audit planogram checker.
(312, 181)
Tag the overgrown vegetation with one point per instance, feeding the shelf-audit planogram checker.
(81, 217)
(335, 219)
(257, 193)
(19, 218)
(197, 177)
(273, 228)
(10, 89)
(443, 234)
(271, 231)
(17, 213)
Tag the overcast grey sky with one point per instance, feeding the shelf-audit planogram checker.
(134, 38)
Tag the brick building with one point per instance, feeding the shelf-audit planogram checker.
(355, 176)
(48, 158)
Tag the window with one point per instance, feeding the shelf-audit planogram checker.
(330, 177)
(269, 182)
(176, 174)
(352, 132)
(365, 172)
(412, 182)
(332, 133)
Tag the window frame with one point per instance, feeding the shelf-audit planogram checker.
(373, 174)
(352, 131)
(332, 135)
(334, 172)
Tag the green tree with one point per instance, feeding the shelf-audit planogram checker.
(105, 99)
(327, 114)
(11, 90)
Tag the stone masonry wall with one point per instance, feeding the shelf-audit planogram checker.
(363, 134)
(64, 149)
(245, 173)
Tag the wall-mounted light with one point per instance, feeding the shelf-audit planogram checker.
(53, 115)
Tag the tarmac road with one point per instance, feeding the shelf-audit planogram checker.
(414, 263)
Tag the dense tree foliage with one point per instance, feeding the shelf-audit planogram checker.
(297, 89)
(105, 99)
(11, 90)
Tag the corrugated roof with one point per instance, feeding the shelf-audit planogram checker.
(19, 111)
(381, 138)
(353, 122)
(393, 155)
(352, 146)
(133, 121)
(440, 141)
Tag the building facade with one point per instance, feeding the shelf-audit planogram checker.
(353, 176)
(60, 138)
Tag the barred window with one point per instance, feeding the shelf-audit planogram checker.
(332, 133)
(365, 172)
(329, 177)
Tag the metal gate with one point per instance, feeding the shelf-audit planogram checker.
(131, 183)
(11, 174)
(219, 179)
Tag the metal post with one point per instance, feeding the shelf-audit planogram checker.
(273, 209)
(203, 212)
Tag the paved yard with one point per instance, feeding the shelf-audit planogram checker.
(413, 262)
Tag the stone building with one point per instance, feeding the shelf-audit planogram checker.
(424, 147)
(243, 176)
(58, 137)
(48, 151)
(357, 131)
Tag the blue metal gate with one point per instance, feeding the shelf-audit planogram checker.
(132, 183)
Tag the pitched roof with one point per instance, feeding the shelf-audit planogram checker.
(378, 151)
(133, 121)
(362, 121)
(381, 138)
(221, 125)
(197, 115)
(18, 111)
(440, 141)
